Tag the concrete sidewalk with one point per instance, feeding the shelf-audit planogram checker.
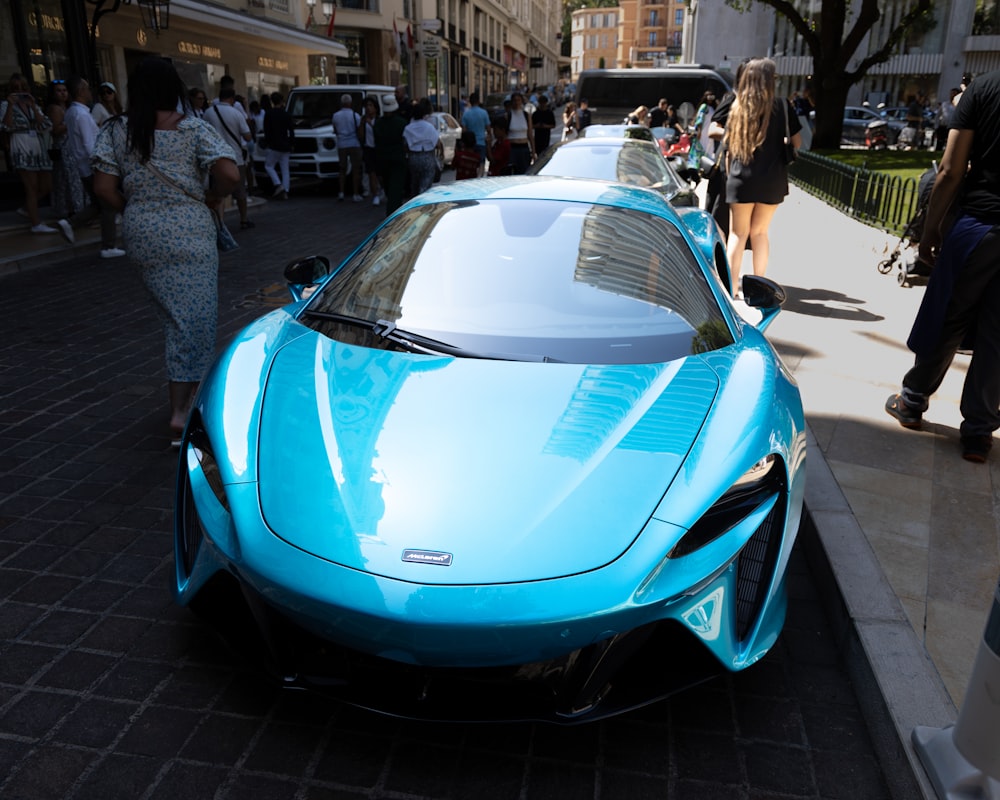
(901, 526)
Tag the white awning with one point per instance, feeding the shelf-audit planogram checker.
(255, 26)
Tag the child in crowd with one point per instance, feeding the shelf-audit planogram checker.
(467, 160)
(498, 148)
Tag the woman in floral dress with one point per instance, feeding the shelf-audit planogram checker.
(151, 166)
(28, 129)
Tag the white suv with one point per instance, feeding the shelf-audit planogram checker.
(314, 151)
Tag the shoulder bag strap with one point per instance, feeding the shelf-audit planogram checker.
(239, 142)
(170, 182)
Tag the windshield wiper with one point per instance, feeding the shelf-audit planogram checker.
(418, 342)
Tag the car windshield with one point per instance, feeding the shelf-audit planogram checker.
(540, 280)
(314, 108)
(625, 162)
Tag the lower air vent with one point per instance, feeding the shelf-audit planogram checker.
(755, 568)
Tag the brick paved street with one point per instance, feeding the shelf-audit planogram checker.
(107, 690)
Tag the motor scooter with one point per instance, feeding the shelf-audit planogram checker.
(877, 135)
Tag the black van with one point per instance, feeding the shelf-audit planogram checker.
(613, 93)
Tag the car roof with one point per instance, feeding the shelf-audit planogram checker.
(346, 87)
(541, 187)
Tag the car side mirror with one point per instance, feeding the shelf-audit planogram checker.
(304, 273)
(765, 295)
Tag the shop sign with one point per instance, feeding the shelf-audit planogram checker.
(202, 50)
(431, 46)
(48, 22)
(431, 25)
(272, 63)
(280, 6)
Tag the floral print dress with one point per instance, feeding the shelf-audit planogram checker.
(170, 237)
(29, 138)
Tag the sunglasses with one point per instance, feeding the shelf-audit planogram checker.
(56, 82)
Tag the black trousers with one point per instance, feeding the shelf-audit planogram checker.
(974, 307)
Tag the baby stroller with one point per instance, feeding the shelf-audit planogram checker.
(911, 270)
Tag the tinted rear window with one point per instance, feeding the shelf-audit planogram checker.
(616, 94)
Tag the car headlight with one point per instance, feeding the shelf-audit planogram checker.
(752, 488)
(329, 143)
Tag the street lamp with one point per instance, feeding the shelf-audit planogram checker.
(327, 6)
(155, 16)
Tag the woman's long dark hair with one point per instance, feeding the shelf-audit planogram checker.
(153, 86)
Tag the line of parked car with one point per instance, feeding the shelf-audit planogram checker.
(878, 129)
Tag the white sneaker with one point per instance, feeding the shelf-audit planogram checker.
(112, 252)
(340, 196)
(67, 230)
(23, 212)
(356, 198)
(43, 228)
(375, 200)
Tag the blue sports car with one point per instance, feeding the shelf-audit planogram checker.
(518, 457)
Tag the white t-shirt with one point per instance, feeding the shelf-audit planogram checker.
(345, 125)
(236, 121)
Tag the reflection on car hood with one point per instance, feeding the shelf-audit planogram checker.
(516, 471)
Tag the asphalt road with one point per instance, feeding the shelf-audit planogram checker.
(107, 690)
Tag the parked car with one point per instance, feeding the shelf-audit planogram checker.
(556, 480)
(900, 113)
(856, 121)
(450, 132)
(314, 151)
(632, 161)
(618, 131)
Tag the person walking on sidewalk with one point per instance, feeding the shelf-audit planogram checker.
(963, 295)
(27, 128)
(757, 175)
(346, 122)
(477, 120)
(152, 165)
(81, 137)
(279, 131)
(368, 156)
(232, 126)
(390, 152)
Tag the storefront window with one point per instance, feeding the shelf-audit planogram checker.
(45, 31)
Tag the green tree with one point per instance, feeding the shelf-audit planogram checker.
(832, 40)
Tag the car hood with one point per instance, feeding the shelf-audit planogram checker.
(467, 471)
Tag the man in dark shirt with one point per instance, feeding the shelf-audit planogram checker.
(658, 116)
(542, 121)
(583, 113)
(963, 295)
(279, 130)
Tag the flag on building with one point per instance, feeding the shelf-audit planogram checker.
(329, 28)
(309, 19)
(409, 38)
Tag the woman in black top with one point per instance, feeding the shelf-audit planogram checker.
(757, 171)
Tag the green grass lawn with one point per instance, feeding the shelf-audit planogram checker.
(904, 163)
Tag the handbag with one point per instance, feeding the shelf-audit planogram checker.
(790, 153)
(224, 238)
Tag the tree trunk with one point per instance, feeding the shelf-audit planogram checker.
(830, 104)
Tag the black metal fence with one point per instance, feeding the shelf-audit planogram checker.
(878, 199)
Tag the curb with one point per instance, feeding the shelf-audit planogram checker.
(60, 251)
(897, 684)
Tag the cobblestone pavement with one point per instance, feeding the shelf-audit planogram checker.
(107, 690)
